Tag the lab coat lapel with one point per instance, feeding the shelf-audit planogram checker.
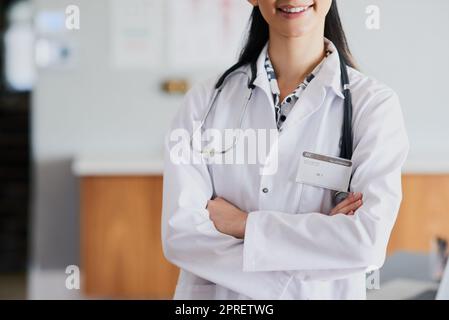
(311, 100)
(263, 84)
(261, 80)
(326, 84)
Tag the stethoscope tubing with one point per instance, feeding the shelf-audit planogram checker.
(211, 106)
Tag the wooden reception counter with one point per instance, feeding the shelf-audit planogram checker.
(121, 252)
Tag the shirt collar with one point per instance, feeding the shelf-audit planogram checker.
(329, 75)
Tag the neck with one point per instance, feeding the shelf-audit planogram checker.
(293, 58)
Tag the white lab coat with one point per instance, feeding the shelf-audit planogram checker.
(292, 248)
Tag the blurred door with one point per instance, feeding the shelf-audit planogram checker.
(15, 86)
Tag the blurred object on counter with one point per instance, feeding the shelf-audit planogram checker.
(438, 257)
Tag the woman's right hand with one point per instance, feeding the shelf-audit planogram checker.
(349, 205)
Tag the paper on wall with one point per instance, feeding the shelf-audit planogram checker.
(136, 33)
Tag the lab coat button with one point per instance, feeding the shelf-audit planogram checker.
(265, 190)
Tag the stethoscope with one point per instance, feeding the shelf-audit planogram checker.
(346, 143)
(211, 151)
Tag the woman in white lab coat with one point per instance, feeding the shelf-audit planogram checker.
(238, 234)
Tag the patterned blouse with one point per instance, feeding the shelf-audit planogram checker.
(282, 109)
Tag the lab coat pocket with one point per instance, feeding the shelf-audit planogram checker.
(312, 199)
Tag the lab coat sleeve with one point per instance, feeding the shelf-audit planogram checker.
(319, 246)
(190, 239)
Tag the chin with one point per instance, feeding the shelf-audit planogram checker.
(297, 32)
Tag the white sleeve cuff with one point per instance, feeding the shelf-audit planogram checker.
(250, 243)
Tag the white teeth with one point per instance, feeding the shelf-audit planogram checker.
(294, 10)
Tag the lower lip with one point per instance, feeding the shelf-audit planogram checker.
(294, 15)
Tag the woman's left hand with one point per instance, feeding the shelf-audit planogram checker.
(227, 218)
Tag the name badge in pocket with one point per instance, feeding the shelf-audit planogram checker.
(323, 171)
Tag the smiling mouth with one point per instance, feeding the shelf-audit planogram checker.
(294, 10)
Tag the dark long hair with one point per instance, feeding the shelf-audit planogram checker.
(259, 33)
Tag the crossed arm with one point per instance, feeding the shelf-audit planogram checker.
(230, 220)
